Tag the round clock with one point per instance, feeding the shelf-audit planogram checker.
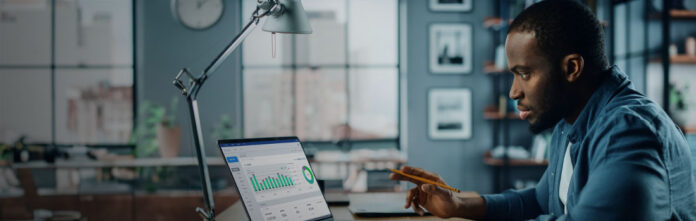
(197, 14)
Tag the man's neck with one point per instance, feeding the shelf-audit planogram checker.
(585, 90)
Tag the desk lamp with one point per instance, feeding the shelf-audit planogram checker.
(284, 16)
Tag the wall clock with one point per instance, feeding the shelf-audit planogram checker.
(197, 14)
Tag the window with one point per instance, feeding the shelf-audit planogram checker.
(339, 83)
(67, 70)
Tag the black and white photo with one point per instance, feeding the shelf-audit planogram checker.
(449, 113)
(451, 5)
(450, 48)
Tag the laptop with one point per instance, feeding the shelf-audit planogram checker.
(380, 205)
(274, 179)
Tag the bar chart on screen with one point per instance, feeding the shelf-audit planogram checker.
(270, 183)
(275, 181)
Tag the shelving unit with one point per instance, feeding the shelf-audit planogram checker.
(669, 20)
(677, 59)
(497, 112)
(682, 14)
(493, 113)
(496, 22)
(490, 161)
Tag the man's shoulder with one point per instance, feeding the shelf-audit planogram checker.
(634, 110)
(634, 115)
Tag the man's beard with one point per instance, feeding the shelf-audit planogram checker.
(556, 103)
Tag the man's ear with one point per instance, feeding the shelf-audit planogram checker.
(572, 66)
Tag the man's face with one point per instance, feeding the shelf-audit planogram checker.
(538, 84)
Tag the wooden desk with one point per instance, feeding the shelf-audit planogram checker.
(237, 212)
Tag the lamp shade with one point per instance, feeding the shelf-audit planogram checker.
(293, 20)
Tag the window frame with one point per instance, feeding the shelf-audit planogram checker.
(52, 67)
(294, 68)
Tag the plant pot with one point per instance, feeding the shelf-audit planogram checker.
(169, 141)
(683, 117)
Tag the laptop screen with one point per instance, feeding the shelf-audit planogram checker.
(275, 179)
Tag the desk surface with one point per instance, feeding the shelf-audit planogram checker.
(237, 212)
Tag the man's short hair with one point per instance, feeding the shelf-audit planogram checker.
(563, 27)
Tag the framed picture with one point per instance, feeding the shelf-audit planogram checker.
(449, 113)
(450, 48)
(451, 5)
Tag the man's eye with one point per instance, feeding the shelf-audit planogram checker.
(524, 75)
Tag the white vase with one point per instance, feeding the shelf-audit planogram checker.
(169, 141)
(681, 117)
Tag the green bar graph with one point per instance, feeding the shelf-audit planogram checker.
(270, 182)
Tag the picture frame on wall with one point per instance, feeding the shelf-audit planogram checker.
(449, 114)
(451, 5)
(451, 48)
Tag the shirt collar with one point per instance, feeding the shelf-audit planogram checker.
(614, 80)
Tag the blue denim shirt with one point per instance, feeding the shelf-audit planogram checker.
(630, 162)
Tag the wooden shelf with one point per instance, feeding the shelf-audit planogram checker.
(677, 59)
(490, 161)
(490, 68)
(496, 22)
(683, 14)
(492, 113)
(689, 130)
(676, 14)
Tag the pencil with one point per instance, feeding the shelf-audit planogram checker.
(424, 180)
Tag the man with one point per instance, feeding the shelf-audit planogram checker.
(614, 155)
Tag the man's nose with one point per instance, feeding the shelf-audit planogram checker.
(515, 92)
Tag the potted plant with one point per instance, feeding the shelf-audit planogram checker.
(168, 133)
(156, 130)
(225, 129)
(679, 104)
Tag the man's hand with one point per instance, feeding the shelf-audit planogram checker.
(438, 201)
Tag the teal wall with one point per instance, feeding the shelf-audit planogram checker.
(164, 46)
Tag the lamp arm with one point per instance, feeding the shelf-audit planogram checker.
(195, 83)
(269, 7)
(231, 47)
(265, 8)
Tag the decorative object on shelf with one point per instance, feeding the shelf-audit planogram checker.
(500, 58)
(449, 113)
(540, 147)
(450, 48)
(690, 46)
(513, 152)
(451, 5)
(156, 130)
(673, 50)
(197, 15)
(681, 107)
(690, 5)
(676, 4)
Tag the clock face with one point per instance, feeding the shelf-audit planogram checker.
(197, 14)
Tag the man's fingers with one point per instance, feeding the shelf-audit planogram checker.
(417, 208)
(410, 197)
(396, 176)
(421, 173)
(433, 189)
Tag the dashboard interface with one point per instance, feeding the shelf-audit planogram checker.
(275, 180)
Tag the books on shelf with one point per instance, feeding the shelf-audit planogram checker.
(540, 147)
